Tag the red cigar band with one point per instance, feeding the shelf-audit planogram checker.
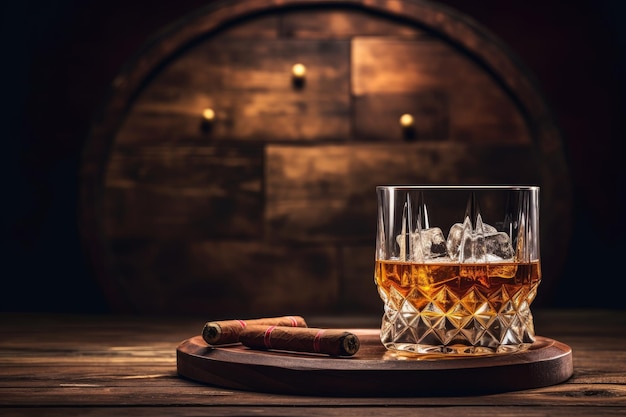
(242, 323)
(316, 341)
(294, 322)
(267, 336)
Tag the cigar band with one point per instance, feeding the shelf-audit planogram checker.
(242, 323)
(316, 341)
(294, 322)
(267, 336)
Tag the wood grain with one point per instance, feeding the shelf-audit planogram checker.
(327, 192)
(343, 23)
(377, 116)
(373, 371)
(248, 83)
(228, 277)
(286, 173)
(119, 364)
(452, 97)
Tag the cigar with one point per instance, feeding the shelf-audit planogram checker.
(227, 331)
(334, 342)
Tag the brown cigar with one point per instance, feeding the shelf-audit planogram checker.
(333, 342)
(227, 331)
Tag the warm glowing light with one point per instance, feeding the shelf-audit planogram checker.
(208, 114)
(406, 120)
(298, 70)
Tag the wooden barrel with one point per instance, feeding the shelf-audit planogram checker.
(265, 204)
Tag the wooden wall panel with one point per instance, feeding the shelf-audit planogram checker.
(377, 116)
(327, 192)
(440, 163)
(344, 23)
(308, 193)
(227, 278)
(480, 111)
(249, 85)
(272, 207)
(358, 289)
(185, 191)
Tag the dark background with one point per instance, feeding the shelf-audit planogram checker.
(59, 57)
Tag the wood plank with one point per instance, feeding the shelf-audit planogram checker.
(306, 192)
(337, 200)
(342, 23)
(312, 411)
(166, 212)
(227, 277)
(479, 109)
(249, 85)
(236, 165)
(260, 116)
(258, 65)
(174, 191)
(566, 396)
(377, 116)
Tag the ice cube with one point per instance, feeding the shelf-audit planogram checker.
(498, 247)
(426, 244)
(456, 236)
(480, 244)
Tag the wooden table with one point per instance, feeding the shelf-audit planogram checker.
(64, 365)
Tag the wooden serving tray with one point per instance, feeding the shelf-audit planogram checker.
(373, 370)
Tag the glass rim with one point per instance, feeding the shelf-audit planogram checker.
(459, 187)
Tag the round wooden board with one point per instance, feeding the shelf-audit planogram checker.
(373, 370)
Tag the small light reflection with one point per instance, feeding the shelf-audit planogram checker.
(298, 70)
(406, 120)
(208, 114)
